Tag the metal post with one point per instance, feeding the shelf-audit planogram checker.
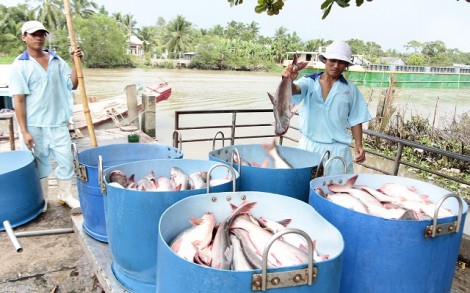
(234, 122)
(396, 164)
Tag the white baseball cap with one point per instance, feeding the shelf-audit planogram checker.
(339, 50)
(32, 26)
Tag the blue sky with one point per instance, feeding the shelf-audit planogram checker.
(390, 23)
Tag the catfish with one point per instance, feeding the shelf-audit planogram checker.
(281, 100)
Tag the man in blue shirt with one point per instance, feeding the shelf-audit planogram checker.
(331, 106)
(41, 84)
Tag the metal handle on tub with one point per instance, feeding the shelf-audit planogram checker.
(80, 170)
(215, 137)
(101, 175)
(320, 171)
(234, 176)
(232, 160)
(444, 228)
(327, 164)
(283, 279)
(177, 137)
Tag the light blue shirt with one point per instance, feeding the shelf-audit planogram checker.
(49, 100)
(328, 121)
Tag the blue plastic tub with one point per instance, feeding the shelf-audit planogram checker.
(384, 255)
(21, 197)
(132, 217)
(90, 196)
(292, 182)
(175, 274)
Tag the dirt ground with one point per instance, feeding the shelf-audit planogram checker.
(53, 263)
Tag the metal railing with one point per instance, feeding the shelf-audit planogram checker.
(235, 125)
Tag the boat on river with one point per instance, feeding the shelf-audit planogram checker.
(116, 108)
(365, 73)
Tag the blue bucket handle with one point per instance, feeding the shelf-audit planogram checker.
(80, 170)
(327, 164)
(286, 278)
(177, 138)
(234, 175)
(232, 160)
(444, 228)
(215, 137)
(101, 175)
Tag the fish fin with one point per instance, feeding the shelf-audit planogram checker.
(203, 257)
(301, 65)
(272, 99)
(245, 207)
(131, 178)
(195, 221)
(176, 245)
(285, 222)
(320, 192)
(351, 181)
(177, 187)
(265, 163)
(228, 254)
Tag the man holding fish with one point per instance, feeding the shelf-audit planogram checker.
(331, 106)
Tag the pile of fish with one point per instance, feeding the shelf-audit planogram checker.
(238, 242)
(391, 201)
(273, 158)
(178, 180)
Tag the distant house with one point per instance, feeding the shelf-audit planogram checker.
(185, 59)
(135, 46)
(391, 61)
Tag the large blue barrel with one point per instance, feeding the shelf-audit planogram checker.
(91, 198)
(292, 182)
(132, 217)
(21, 197)
(175, 274)
(384, 255)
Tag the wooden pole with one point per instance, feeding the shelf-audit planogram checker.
(78, 66)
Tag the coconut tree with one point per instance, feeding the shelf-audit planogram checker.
(50, 13)
(178, 35)
(83, 8)
(253, 30)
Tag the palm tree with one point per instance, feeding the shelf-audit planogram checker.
(178, 35)
(217, 30)
(83, 8)
(253, 30)
(129, 24)
(50, 13)
(148, 35)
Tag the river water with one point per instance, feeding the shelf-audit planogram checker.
(216, 90)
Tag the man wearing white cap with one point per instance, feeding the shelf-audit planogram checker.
(41, 84)
(331, 106)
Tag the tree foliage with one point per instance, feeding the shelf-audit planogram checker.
(273, 7)
(104, 40)
(234, 46)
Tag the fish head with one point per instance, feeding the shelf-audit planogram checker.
(119, 177)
